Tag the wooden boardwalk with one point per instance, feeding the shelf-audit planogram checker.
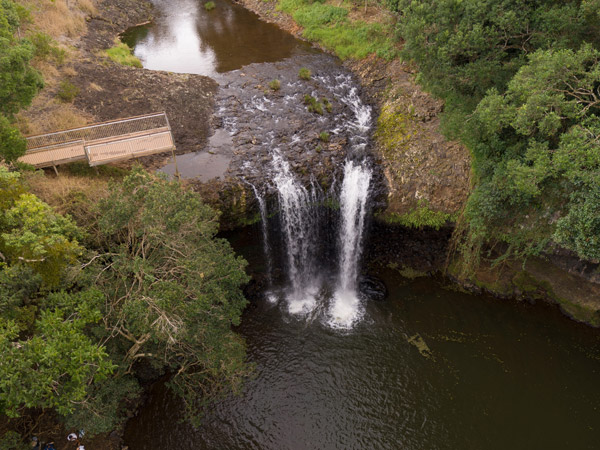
(102, 143)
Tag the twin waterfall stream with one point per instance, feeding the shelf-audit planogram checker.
(302, 220)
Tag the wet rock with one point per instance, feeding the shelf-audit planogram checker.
(372, 288)
(256, 287)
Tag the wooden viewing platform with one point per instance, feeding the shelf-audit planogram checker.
(101, 143)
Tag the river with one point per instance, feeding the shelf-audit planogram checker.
(428, 367)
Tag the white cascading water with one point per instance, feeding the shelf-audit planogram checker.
(346, 309)
(299, 210)
(299, 219)
(262, 206)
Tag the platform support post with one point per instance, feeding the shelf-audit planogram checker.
(176, 168)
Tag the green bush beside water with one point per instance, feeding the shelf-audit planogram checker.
(329, 25)
(520, 82)
(122, 54)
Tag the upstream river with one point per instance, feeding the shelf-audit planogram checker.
(426, 368)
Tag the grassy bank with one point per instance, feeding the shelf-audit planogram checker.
(121, 53)
(344, 28)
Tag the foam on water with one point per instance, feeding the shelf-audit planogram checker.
(346, 309)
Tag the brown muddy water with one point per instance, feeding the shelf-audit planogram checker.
(186, 38)
(428, 368)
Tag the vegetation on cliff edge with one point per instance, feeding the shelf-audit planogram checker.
(520, 80)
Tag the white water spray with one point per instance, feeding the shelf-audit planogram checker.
(299, 220)
(353, 207)
(346, 309)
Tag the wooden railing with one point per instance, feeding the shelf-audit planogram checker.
(102, 143)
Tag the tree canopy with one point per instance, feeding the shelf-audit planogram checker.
(19, 81)
(521, 81)
(158, 289)
(469, 46)
(172, 288)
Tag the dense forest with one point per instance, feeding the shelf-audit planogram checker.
(521, 80)
(134, 280)
(144, 285)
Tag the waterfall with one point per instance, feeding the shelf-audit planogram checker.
(262, 206)
(345, 309)
(315, 284)
(300, 224)
(353, 206)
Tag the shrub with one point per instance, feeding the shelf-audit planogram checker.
(324, 136)
(67, 91)
(121, 53)
(12, 144)
(275, 85)
(45, 46)
(209, 6)
(304, 74)
(327, 104)
(420, 217)
(312, 105)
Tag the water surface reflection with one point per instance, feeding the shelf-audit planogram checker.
(186, 38)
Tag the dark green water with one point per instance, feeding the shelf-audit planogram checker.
(428, 368)
(186, 38)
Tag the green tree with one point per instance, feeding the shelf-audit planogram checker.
(173, 288)
(48, 360)
(53, 367)
(32, 234)
(537, 154)
(12, 144)
(160, 289)
(19, 82)
(469, 46)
